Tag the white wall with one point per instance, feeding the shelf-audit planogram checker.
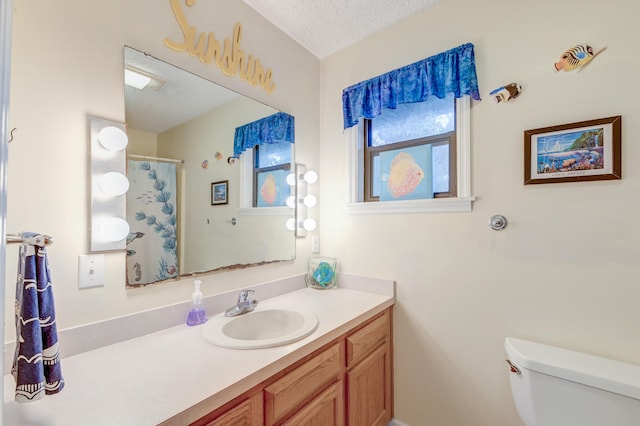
(67, 62)
(564, 272)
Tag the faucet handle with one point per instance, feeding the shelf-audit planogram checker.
(244, 295)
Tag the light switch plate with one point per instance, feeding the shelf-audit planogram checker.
(90, 270)
(315, 244)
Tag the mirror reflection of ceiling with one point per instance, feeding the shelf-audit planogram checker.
(190, 122)
(180, 96)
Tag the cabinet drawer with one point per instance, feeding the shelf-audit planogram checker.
(363, 341)
(300, 384)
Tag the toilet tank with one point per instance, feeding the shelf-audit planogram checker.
(559, 387)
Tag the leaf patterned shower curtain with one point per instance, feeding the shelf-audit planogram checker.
(151, 212)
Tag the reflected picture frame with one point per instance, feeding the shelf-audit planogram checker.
(581, 151)
(220, 193)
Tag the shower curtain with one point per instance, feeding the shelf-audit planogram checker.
(152, 243)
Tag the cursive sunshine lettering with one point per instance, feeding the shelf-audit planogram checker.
(228, 56)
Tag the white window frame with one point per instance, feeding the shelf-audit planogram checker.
(246, 189)
(461, 203)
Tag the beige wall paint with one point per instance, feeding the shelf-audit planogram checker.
(565, 270)
(67, 61)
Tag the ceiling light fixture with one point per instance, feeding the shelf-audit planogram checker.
(141, 80)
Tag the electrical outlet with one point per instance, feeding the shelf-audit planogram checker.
(315, 244)
(90, 270)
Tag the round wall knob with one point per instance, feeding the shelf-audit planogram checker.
(498, 222)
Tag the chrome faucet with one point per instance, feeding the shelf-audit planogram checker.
(246, 303)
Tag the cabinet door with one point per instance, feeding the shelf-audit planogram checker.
(327, 409)
(369, 390)
(247, 413)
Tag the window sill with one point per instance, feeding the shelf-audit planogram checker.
(435, 205)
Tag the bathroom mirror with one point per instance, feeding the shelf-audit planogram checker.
(184, 205)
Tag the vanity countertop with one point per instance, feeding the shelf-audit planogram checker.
(174, 376)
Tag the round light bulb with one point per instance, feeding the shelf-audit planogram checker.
(113, 138)
(291, 202)
(310, 200)
(291, 179)
(113, 184)
(311, 176)
(309, 224)
(113, 229)
(291, 224)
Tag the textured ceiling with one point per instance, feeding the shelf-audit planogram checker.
(326, 26)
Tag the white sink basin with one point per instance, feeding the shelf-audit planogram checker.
(260, 329)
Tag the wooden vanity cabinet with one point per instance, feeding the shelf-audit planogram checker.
(346, 383)
(369, 376)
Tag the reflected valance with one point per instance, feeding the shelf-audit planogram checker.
(453, 71)
(275, 128)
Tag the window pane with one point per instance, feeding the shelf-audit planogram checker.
(375, 182)
(273, 154)
(440, 158)
(413, 121)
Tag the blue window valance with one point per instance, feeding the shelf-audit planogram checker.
(453, 71)
(275, 128)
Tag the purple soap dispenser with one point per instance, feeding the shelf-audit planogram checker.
(196, 314)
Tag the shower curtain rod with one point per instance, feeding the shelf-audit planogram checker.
(36, 240)
(147, 157)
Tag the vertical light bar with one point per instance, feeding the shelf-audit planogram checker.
(108, 212)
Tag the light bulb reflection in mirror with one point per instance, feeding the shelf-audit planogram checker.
(291, 202)
(291, 224)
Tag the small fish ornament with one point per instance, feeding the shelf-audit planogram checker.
(506, 93)
(576, 57)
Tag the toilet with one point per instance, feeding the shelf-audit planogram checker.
(558, 387)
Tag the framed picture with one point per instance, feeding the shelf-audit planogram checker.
(220, 192)
(582, 151)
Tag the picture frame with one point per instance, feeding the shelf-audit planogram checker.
(220, 192)
(582, 151)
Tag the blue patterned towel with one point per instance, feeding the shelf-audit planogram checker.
(36, 363)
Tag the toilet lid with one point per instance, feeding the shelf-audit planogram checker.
(603, 373)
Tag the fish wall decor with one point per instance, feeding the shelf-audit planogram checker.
(506, 93)
(576, 57)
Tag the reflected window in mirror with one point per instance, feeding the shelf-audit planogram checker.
(271, 165)
(188, 121)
